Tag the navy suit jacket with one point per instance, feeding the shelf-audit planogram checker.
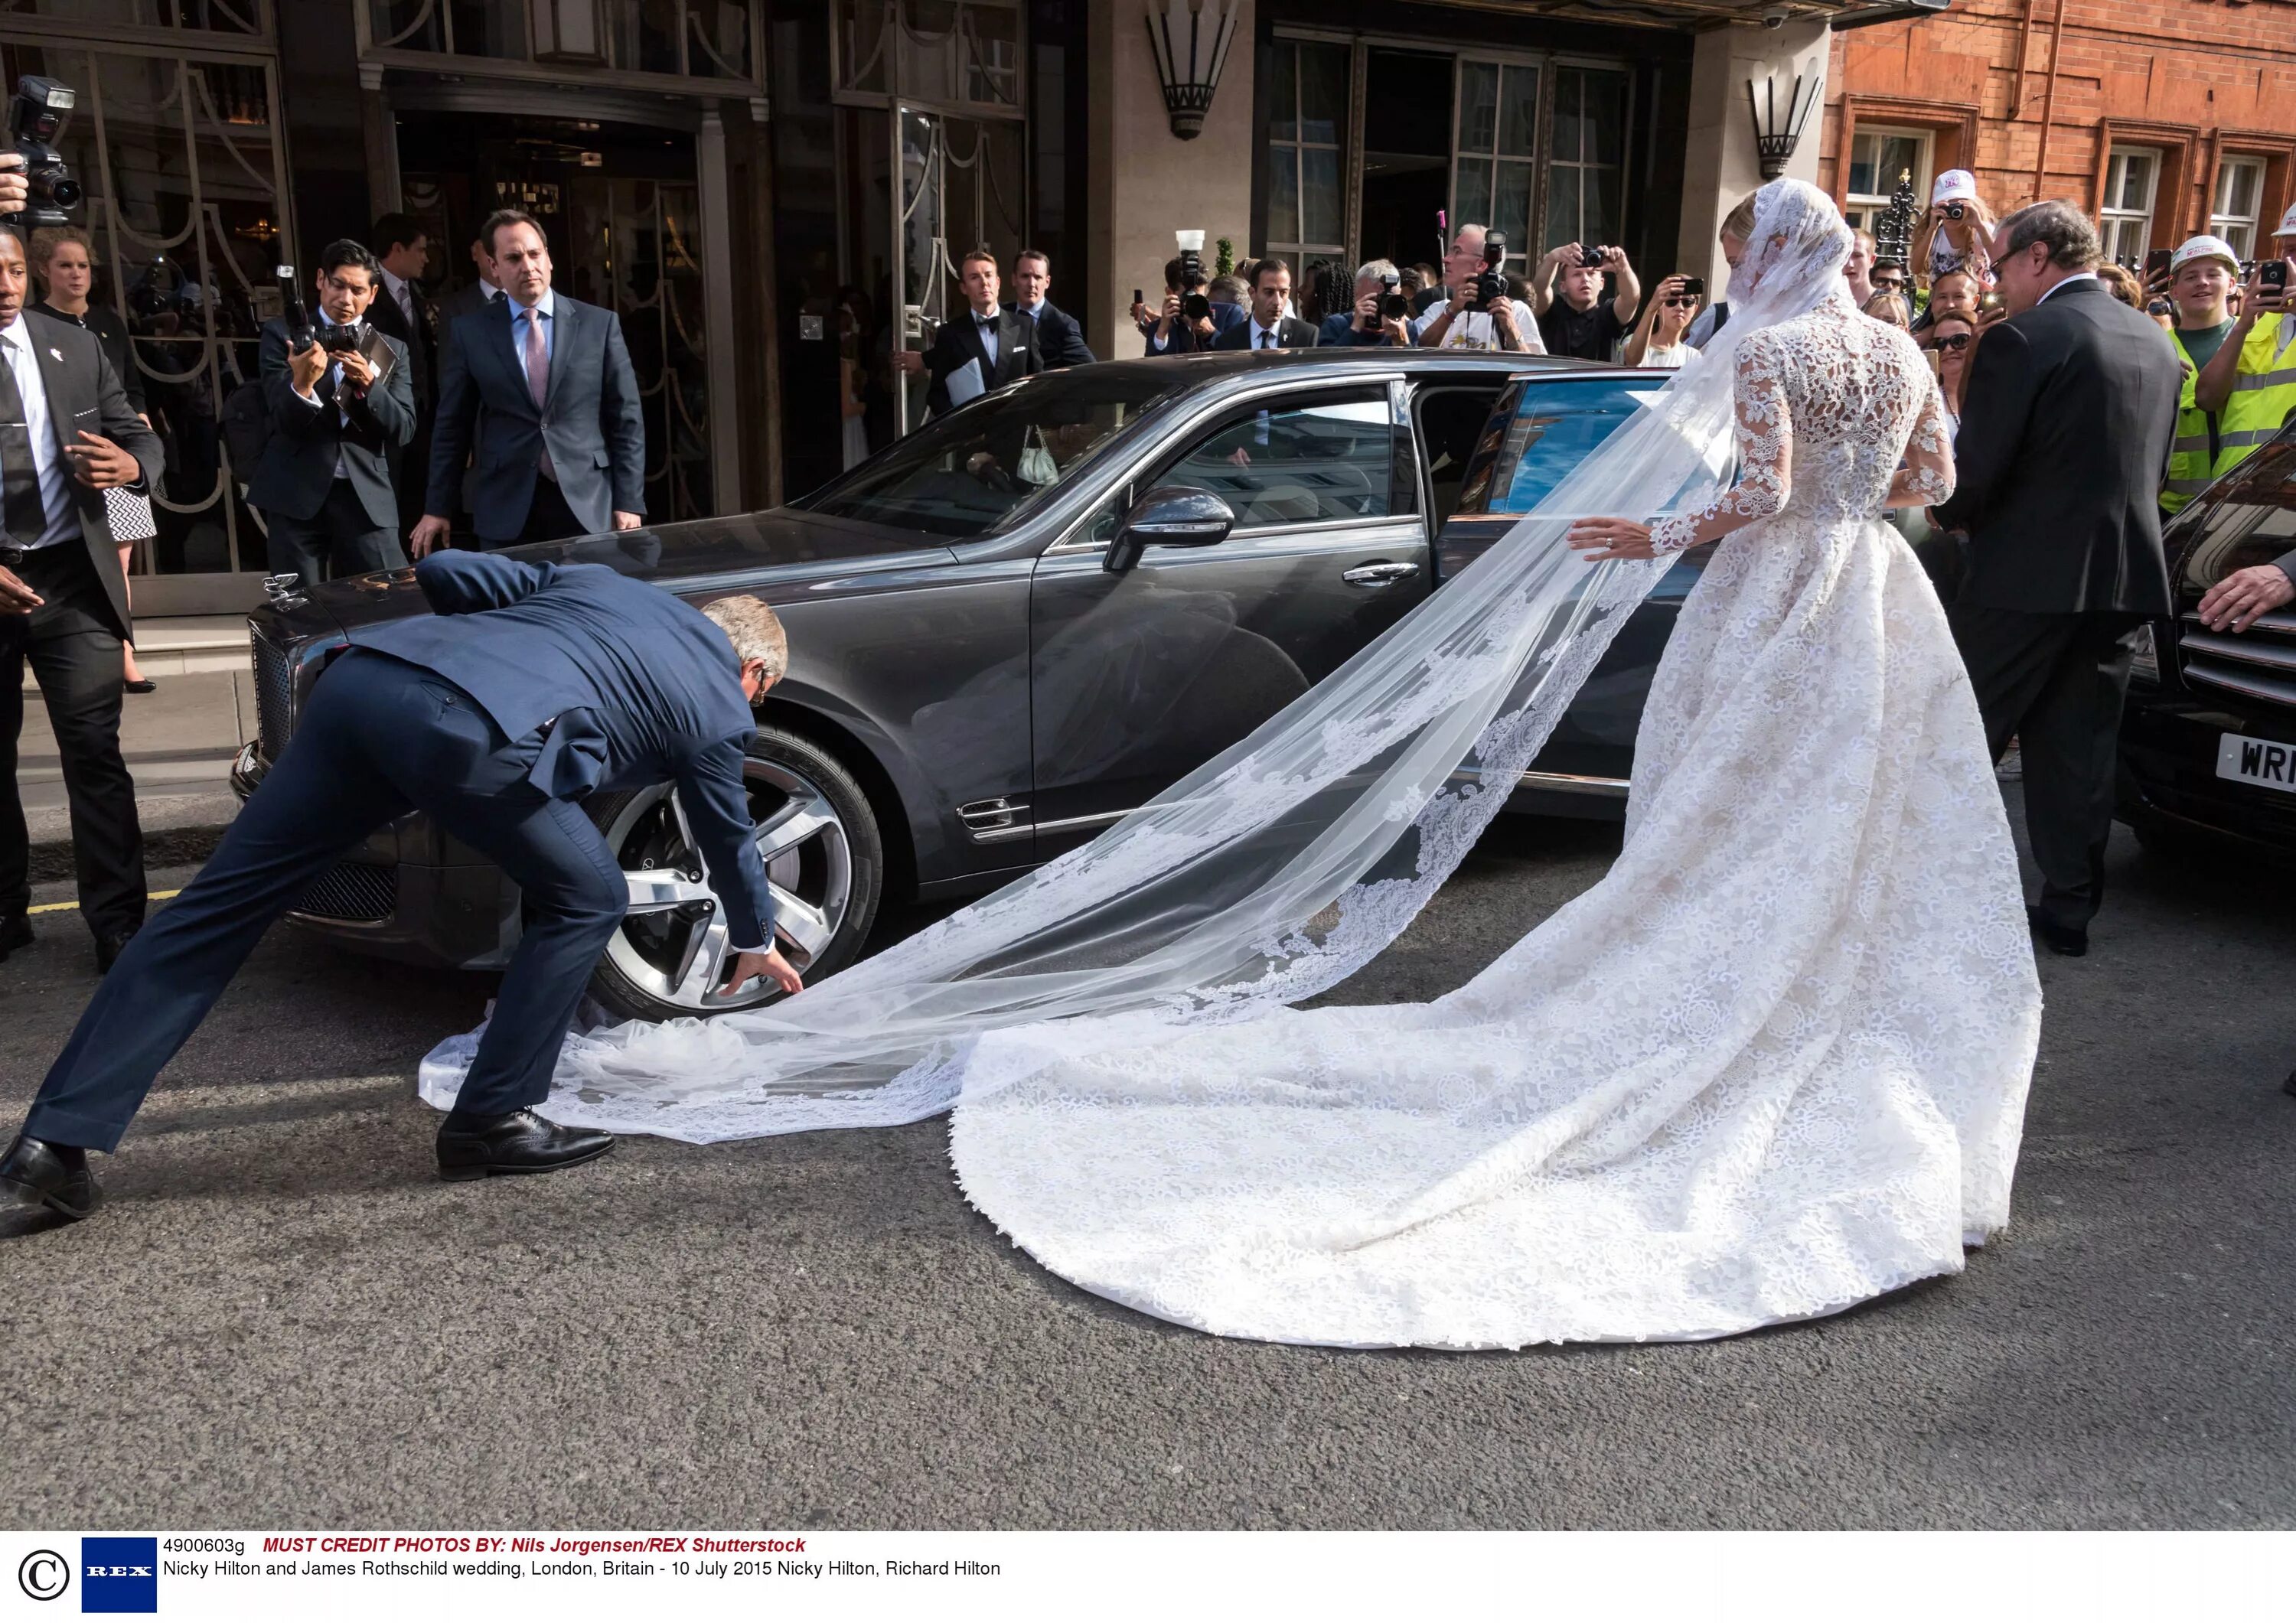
(1060, 340)
(589, 419)
(640, 687)
(299, 462)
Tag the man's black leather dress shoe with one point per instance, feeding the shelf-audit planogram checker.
(37, 1177)
(14, 933)
(108, 949)
(473, 1146)
(2068, 940)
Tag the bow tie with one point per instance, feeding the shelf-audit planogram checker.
(987, 323)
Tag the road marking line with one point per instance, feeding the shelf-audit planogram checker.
(157, 896)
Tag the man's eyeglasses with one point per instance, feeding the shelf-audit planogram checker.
(1890, 284)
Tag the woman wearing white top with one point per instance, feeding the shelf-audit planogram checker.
(1657, 339)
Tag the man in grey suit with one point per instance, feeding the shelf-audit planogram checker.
(67, 435)
(561, 442)
(339, 417)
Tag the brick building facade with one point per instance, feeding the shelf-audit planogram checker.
(2161, 118)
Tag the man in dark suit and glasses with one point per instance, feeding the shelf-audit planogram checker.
(402, 249)
(560, 444)
(1000, 343)
(529, 687)
(339, 419)
(1268, 327)
(2067, 421)
(67, 434)
(1060, 340)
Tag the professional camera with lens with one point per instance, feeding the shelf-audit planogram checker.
(1195, 305)
(1394, 305)
(1490, 284)
(1593, 258)
(34, 118)
(342, 340)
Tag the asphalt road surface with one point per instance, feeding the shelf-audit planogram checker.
(285, 1320)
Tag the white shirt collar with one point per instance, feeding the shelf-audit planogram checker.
(1037, 309)
(489, 290)
(19, 333)
(394, 284)
(547, 304)
(2068, 281)
(1257, 330)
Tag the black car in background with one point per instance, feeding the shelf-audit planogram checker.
(1019, 623)
(2208, 742)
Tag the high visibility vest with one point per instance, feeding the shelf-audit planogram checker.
(2192, 459)
(2263, 392)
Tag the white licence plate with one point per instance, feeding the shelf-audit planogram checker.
(2257, 761)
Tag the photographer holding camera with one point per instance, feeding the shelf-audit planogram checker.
(1476, 313)
(1189, 318)
(1381, 315)
(2251, 382)
(1956, 231)
(1575, 319)
(342, 410)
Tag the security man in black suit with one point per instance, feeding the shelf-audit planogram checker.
(1002, 342)
(1268, 327)
(2067, 421)
(402, 250)
(67, 434)
(1060, 340)
(339, 419)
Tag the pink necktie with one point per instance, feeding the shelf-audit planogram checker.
(537, 377)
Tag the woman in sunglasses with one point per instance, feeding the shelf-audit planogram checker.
(1952, 337)
(1657, 339)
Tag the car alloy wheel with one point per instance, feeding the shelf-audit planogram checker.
(674, 948)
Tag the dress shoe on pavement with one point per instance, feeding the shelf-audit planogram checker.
(474, 1146)
(14, 933)
(2289, 1087)
(2067, 940)
(37, 1177)
(108, 949)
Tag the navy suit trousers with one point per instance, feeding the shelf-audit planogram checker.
(381, 738)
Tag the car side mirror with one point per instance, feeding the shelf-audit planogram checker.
(1171, 515)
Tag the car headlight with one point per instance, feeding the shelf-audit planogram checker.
(2144, 655)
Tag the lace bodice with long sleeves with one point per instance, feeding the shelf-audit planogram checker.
(1838, 418)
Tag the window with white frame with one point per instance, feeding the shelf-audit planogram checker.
(2132, 176)
(1497, 147)
(1307, 135)
(1878, 157)
(2240, 184)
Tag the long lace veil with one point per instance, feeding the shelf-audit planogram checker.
(1272, 872)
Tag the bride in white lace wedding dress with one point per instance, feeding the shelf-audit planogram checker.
(1773, 1064)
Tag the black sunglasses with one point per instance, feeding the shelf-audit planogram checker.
(1959, 340)
(1682, 300)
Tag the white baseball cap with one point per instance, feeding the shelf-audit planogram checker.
(2287, 227)
(2205, 246)
(1953, 183)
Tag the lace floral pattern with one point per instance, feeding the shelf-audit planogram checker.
(1773, 1064)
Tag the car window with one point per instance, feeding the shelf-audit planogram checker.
(986, 466)
(2250, 518)
(1554, 427)
(1322, 461)
(1449, 422)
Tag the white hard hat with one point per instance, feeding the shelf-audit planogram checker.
(2205, 246)
(2287, 227)
(1953, 183)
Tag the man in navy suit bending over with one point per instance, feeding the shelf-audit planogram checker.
(529, 687)
(559, 446)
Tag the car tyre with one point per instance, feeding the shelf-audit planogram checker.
(827, 876)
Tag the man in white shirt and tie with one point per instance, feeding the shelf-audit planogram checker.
(1268, 327)
(560, 444)
(67, 435)
(983, 346)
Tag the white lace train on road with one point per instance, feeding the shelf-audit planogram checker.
(1774, 1063)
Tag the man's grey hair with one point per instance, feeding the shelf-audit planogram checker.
(1228, 290)
(1376, 270)
(2070, 237)
(755, 631)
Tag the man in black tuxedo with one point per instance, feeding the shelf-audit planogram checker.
(402, 249)
(67, 435)
(1060, 340)
(2066, 426)
(1002, 342)
(339, 421)
(1267, 327)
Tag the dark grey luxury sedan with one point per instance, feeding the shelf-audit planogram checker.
(1019, 622)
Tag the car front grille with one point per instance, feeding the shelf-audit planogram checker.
(2258, 663)
(275, 694)
(353, 892)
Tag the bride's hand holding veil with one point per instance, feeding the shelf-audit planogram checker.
(1614, 538)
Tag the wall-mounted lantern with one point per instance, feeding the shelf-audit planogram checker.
(1190, 39)
(1774, 138)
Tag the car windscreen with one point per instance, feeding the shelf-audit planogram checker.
(1554, 425)
(984, 467)
(2250, 517)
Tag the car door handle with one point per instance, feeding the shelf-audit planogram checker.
(1378, 574)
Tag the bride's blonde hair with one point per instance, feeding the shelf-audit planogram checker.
(1739, 221)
